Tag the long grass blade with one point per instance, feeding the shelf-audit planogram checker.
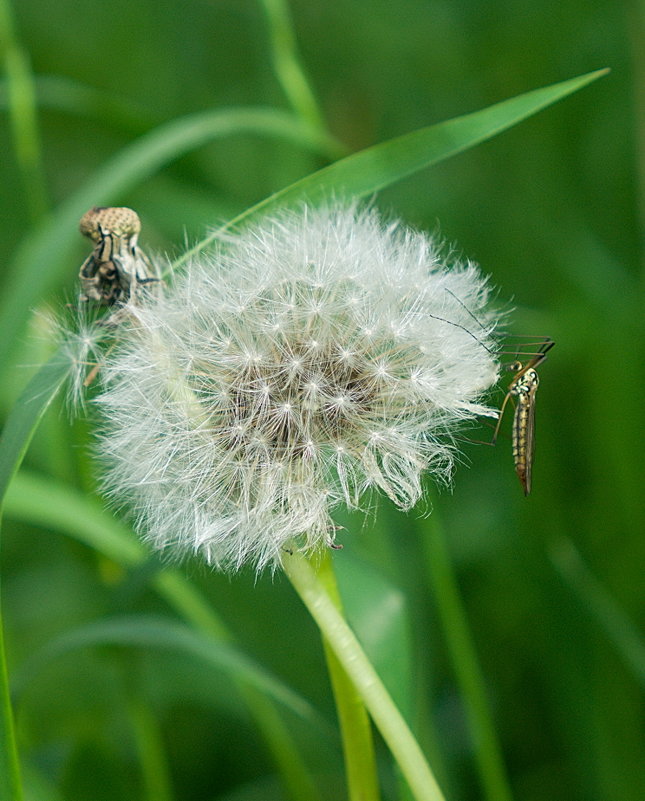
(364, 173)
(147, 631)
(21, 102)
(601, 606)
(27, 413)
(40, 501)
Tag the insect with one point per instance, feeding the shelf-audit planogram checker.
(523, 389)
(117, 269)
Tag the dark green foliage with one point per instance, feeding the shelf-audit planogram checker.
(552, 584)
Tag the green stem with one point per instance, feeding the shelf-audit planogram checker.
(152, 754)
(21, 96)
(10, 780)
(355, 727)
(635, 25)
(347, 649)
(488, 753)
(287, 65)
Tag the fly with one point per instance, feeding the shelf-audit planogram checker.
(117, 268)
(523, 389)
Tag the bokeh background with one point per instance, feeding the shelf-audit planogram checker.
(552, 584)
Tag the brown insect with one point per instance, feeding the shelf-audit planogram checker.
(117, 269)
(523, 389)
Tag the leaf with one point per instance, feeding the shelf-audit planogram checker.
(41, 501)
(18, 431)
(370, 170)
(64, 94)
(27, 414)
(147, 631)
(601, 606)
(377, 612)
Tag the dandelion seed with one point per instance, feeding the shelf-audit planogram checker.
(312, 358)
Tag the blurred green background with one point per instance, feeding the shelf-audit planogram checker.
(553, 210)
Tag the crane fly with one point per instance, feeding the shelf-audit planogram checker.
(522, 390)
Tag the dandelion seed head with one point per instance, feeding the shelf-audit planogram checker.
(303, 362)
(78, 334)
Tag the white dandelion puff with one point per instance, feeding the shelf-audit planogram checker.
(301, 363)
(83, 341)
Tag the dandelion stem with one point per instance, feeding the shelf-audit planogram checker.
(487, 749)
(355, 727)
(349, 653)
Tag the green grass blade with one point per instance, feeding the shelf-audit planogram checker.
(601, 606)
(21, 101)
(63, 94)
(10, 774)
(147, 631)
(15, 439)
(370, 170)
(486, 746)
(287, 64)
(16, 436)
(27, 413)
(152, 754)
(46, 256)
(40, 501)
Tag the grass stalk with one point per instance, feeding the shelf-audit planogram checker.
(287, 64)
(23, 117)
(488, 754)
(10, 778)
(155, 774)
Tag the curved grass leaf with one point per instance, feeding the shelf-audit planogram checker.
(287, 65)
(601, 606)
(21, 105)
(146, 631)
(17, 434)
(66, 95)
(27, 413)
(40, 501)
(487, 749)
(45, 256)
(357, 175)
(370, 170)
(37, 500)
